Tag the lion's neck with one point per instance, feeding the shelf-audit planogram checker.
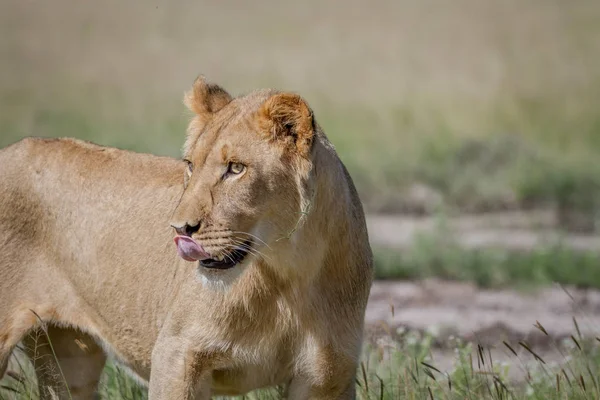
(331, 233)
(325, 254)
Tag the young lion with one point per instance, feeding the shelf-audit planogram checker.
(267, 281)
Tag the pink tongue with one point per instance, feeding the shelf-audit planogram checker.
(189, 249)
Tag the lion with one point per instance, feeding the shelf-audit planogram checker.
(244, 265)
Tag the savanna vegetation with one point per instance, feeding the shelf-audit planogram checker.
(435, 106)
(402, 366)
(490, 104)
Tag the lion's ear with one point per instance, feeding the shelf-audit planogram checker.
(206, 98)
(287, 117)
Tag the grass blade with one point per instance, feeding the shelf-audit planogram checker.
(537, 357)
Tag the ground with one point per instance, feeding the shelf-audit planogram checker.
(487, 317)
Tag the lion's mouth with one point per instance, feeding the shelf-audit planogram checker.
(227, 260)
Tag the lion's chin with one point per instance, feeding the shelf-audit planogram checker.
(218, 279)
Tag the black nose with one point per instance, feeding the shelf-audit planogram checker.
(186, 230)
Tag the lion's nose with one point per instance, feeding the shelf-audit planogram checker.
(186, 229)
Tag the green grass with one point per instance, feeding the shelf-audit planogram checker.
(435, 257)
(406, 369)
(491, 108)
(470, 173)
(401, 365)
(115, 384)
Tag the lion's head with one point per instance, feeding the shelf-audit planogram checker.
(248, 177)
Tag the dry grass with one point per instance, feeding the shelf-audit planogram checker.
(401, 365)
(373, 55)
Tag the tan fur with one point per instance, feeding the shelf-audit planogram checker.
(86, 243)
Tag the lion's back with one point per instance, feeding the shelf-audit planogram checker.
(50, 187)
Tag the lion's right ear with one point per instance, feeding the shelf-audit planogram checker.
(206, 98)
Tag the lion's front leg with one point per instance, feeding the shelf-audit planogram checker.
(326, 375)
(177, 374)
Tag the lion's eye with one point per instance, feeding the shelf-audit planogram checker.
(236, 168)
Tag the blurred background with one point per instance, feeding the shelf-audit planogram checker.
(471, 127)
(438, 108)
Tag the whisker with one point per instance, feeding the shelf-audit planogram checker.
(242, 243)
(207, 232)
(207, 236)
(243, 246)
(253, 251)
(235, 248)
(253, 236)
(229, 256)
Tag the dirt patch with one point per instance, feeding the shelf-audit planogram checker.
(514, 231)
(486, 317)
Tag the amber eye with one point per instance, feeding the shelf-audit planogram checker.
(236, 168)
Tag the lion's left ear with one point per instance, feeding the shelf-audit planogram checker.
(287, 117)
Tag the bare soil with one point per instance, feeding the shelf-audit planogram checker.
(484, 316)
(514, 231)
(462, 308)
(487, 317)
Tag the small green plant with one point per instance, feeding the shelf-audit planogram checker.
(116, 383)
